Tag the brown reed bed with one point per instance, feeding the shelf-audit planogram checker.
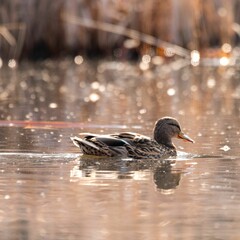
(41, 29)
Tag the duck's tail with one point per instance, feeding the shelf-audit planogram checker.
(79, 142)
(90, 148)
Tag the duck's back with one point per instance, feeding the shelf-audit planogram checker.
(144, 147)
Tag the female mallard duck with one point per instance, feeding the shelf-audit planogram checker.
(134, 145)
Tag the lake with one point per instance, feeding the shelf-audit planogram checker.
(49, 191)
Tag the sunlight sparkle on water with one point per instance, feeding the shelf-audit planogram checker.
(53, 105)
(94, 97)
(169, 52)
(146, 58)
(211, 82)
(6, 197)
(171, 91)
(226, 48)
(225, 148)
(12, 63)
(142, 111)
(78, 60)
(224, 61)
(195, 58)
(144, 66)
(95, 85)
(131, 43)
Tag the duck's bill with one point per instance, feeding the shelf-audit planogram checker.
(185, 137)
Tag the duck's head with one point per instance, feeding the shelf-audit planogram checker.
(167, 128)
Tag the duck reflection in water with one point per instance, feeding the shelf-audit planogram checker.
(164, 177)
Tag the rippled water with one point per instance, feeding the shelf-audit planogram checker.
(48, 191)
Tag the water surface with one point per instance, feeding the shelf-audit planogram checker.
(48, 191)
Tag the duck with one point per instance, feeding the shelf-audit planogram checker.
(134, 145)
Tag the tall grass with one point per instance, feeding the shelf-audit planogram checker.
(40, 29)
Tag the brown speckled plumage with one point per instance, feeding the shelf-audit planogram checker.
(134, 145)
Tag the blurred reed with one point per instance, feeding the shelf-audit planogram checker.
(41, 29)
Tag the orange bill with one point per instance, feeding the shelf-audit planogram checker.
(185, 137)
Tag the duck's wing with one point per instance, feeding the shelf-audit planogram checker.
(101, 145)
(109, 140)
(141, 146)
(132, 137)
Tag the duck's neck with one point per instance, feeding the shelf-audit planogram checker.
(162, 137)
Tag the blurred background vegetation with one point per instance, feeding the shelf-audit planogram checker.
(122, 29)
